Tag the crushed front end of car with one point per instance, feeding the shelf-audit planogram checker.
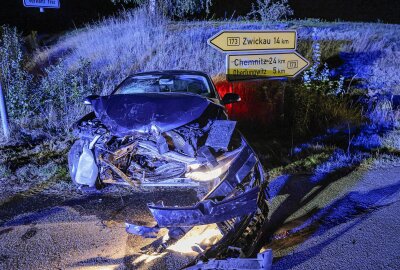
(172, 139)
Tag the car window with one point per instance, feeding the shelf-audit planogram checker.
(165, 83)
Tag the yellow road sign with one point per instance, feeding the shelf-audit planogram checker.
(243, 66)
(236, 41)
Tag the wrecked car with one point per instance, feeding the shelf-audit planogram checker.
(170, 128)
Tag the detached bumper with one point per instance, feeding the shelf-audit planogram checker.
(207, 211)
(212, 209)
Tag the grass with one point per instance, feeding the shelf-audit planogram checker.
(95, 58)
(27, 169)
(135, 41)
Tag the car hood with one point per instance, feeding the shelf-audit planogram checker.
(129, 113)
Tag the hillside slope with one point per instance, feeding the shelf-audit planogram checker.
(135, 41)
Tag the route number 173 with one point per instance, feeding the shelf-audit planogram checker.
(233, 41)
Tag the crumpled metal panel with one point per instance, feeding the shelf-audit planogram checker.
(206, 153)
(246, 168)
(220, 134)
(125, 114)
(207, 211)
(243, 163)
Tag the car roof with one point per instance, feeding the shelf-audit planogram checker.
(172, 72)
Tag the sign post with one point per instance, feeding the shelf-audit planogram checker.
(3, 114)
(42, 4)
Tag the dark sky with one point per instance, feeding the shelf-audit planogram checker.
(71, 13)
(76, 12)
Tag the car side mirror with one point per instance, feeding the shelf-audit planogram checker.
(88, 99)
(230, 98)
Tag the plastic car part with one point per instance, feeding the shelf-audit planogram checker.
(144, 231)
(239, 168)
(73, 158)
(94, 141)
(210, 209)
(220, 134)
(180, 144)
(123, 151)
(207, 211)
(205, 152)
(262, 262)
(87, 171)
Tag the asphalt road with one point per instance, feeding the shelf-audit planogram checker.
(79, 232)
(347, 223)
(370, 241)
(352, 223)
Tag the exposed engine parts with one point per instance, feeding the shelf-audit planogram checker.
(152, 158)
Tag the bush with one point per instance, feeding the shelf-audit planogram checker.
(51, 101)
(115, 47)
(16, 82)
(308, 111)
(172, 8)
(319, 102)
(61, 92)
(96, 58)
(270, 10)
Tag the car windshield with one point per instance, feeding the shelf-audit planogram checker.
(196, 84)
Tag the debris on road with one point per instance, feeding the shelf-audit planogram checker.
(144, 231)
(263, 261)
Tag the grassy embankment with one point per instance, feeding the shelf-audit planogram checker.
(96, 58)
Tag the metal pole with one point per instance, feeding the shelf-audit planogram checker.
(3, 114)
(232, 91)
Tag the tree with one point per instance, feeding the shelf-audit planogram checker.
(270, 10)
(172, 8)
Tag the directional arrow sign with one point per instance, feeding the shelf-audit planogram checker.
(245, 66)
(237, 41)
